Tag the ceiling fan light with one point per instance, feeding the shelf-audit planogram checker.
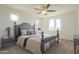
(44, 12)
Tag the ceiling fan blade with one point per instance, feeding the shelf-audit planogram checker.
(47, 6)
(42, 7)
(37, 8)
(51, 10)
(39, 13)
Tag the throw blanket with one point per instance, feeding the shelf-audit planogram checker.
(25, 41)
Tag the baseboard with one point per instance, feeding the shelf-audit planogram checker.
(66, 39)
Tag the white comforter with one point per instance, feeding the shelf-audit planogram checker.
(33, 43)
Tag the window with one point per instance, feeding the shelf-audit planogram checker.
(14, 17)
(51, 24)
(54, 24)
(58, 24)
(37, 24)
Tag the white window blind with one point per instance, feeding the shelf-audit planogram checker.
(54, 24)
(58, 24)
(14, 17)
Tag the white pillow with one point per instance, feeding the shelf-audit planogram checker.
(38, 32)
(23, 32)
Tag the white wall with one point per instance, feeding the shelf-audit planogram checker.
(78, 21)
(5, 18)
(68, 24)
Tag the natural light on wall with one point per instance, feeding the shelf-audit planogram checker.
(37, 22)
(54, 24)
(14, 17)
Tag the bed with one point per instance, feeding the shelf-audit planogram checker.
(33, 42)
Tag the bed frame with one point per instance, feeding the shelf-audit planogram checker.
(43, 41)
(28, 26)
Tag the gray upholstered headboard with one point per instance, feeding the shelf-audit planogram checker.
(24, 26)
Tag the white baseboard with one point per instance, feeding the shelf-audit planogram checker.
(66, 39)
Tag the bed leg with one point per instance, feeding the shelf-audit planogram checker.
(57, 36)
(42, 47)
(58, 40)
(44, 52)
(42, 44)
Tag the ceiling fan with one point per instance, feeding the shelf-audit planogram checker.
(44, 9)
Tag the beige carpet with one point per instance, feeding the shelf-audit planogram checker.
(63, 47)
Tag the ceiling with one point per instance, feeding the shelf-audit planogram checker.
(60, 8)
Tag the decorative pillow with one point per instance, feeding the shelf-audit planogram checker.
(33, 32)
(29, 32)
(23, 32)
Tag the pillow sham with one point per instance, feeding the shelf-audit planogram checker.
(23, 32)
(31, 32)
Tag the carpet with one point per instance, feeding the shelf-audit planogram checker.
(63, 47)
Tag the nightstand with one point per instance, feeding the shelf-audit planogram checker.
(7, 41)
(76, 42)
